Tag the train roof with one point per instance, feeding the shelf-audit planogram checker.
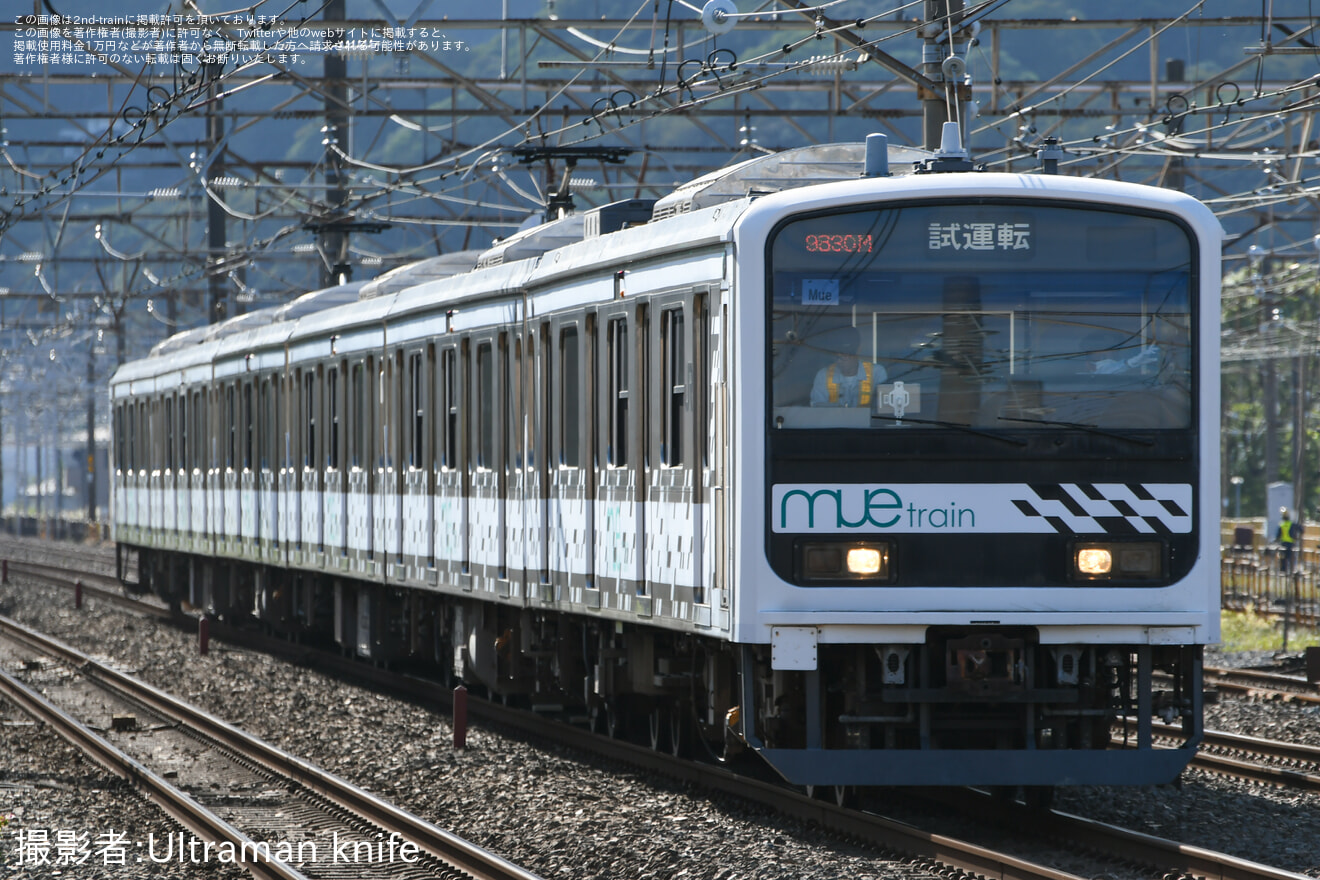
(412, 274)
(695, 217)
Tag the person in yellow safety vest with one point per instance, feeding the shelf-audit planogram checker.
(1287, 537)
(848, 381)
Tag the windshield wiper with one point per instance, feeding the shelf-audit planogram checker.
(1092, 429)
(960, 426)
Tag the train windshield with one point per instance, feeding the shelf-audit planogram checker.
(996, 316)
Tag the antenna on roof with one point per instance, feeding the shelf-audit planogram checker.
(951, 156)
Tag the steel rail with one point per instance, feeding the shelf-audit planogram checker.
(1254, 681)
(174, 802)
(443, 845)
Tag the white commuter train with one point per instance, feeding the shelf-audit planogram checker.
(608, 465)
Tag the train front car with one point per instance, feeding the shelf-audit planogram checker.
(976, 478)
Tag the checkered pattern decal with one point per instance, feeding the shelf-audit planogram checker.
(1110, 508)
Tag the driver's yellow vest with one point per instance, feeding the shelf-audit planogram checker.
(1285, 532)
(863, 390)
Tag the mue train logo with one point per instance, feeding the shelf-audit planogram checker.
(1067, 508)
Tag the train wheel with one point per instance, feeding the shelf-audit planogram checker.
(615, 720)
(657, 727)
(845, 795)
(679, 731)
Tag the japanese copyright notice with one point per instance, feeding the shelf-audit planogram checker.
(187, 40)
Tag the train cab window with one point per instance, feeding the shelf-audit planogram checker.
(673, 386)
(616, 343)
(484, 424)
(570, 445)
(996, 316)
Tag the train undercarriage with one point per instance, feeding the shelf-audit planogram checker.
(971, 705)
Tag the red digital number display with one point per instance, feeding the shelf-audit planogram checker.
(838, 244)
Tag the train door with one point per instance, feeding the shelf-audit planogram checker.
(572, 488)
(718, 390)
(486, 535)
(620, 520)
(229, 498)
(154, 457)
(417, 511)
(450, 502)
(359, 544)
(290, 465)
(183, 483)
(335, 493)
(517, 498)
(249, 497)
(389, 472)
(540, 360)
(267, 441)
(513, 551)
(169, 508)
(311, 538)
(676, 443)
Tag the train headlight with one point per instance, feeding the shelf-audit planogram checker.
(1094, 561)
(835, 561)
(865, 561)
(1119, 561)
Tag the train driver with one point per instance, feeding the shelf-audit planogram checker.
(848, 381)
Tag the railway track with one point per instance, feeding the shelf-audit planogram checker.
(235, 781)
(873, 830)
(1257, 683)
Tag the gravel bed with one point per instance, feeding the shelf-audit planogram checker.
(69, 810)
(564, 814)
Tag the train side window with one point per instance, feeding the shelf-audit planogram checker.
(450, 404)
(673, 367)
(199, 431)
(249, 428)
(416, 411)
(570, 389)
(485, 393)
(387, 412)
(169, 433)
(332, 405)
(231, 428)
(185, 436)
(357, 425)
(118, 431)
(129, 456)
(309, 419)
(270, 424)
(513, 379)
(616, 354)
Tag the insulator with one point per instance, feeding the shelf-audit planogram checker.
(828, 65)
